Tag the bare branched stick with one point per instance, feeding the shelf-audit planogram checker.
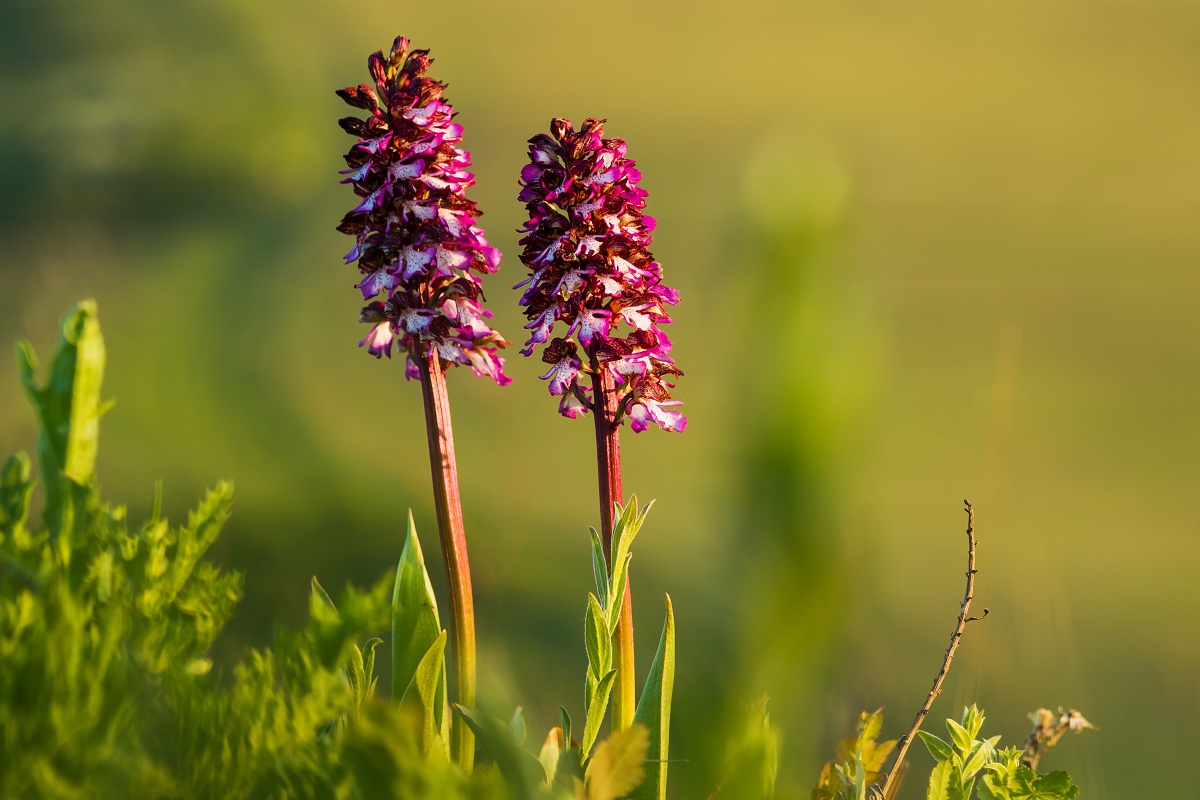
(887, 790)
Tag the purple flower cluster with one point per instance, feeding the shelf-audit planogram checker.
(416, 242)
(587, 246)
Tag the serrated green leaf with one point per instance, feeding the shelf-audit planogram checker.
(991, 787)
(415, 622)
(596, 708)
(616, 768)
(940, 781)
(1054, 785)
(871, 726)
(937, 748)
(654, 711)
(958, 734)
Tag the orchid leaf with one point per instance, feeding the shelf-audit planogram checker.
(654, 712)
(596, 708)
(415, 622)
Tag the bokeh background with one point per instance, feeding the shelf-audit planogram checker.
(928, 251)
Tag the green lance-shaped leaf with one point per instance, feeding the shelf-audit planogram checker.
(83, 438)
(596, 708)
(415, 622)
(628, 521)
(597, 639)
(940, 750)
(521, 769)
(860, 778)
(654, 711)
(940, 781)
(68, 409)
(329, 632)
(565, 718)
(426, 694)
(617, 766)
(516, 726)
(961, 738)
(599, 568)
(368, 652)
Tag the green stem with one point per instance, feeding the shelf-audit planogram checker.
(608, 469)
(454, 544)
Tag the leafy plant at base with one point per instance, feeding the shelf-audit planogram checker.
(858, 764)
(106, 685)
(966, 766)
(631, 762)
(960, 761)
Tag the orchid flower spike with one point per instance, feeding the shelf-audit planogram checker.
(417, 244)
(586, 245)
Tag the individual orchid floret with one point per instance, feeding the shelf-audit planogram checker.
(586, 245)
(416, 241)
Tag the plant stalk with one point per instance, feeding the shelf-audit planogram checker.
(889, 787)
(608, 470)
(454, 544)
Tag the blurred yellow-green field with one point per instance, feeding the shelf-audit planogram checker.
(928, 251)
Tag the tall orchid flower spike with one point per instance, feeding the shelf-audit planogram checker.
(418, 248)
(587, 247)
(420, 254)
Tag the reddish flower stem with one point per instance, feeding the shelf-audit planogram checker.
(454, 544)
(608, 469)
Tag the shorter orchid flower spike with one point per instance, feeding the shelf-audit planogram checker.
(586, 246)
(418, 248)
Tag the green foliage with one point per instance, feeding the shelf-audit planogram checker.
(966, 766)
(616, 768)
(106, 686)
(858, 763)
(654, 711)
(107, 689)
(752, 758)
(419, 646)
(604, 612)
(630, 763)
(1008, 779)
(961, 761)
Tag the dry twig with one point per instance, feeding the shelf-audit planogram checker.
(889, 782)
(1048, 728)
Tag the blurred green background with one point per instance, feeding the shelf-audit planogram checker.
(927, 251)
